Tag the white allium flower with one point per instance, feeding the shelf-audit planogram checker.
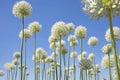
(105, 61)
(80, 32)
(80, 57)
(15, 62)
(107, 48)
(70, 27)
(54, 54)
(1, 73)
(99, 8)
(27, 34)
(58, 64)
(41, 52)
(92, 41)
(49, 59)
(74, 54)
(52, 45)
(91, 56)
(72, 38)
(97, 67)
(74, 43)
(59, 29)
(85, 64)
(37, 69)
(62, 44)
(53, 39)
(84, 54)
(65, 69)
(116, 32)
(35, 27)
(17, 55)
(64, 51)
(22, 8)
(7, 66)
(27, 73)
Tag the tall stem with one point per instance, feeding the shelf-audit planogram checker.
(21, 50)
(16, 70)
(68, 58)
(86, 74)
(109, 69)
(35, 56)
(81, 46)
(64, 66)
(24, 60)
(60, 77)
(113, 43)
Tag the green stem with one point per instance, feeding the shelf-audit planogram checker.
(16, 70)
(86, 75)
(35, 56)
(21, 49)
(24, 60)
(60, 77)
(113, 43)
(64, 66)
(81, 46)
(68, 58)
(109, 69)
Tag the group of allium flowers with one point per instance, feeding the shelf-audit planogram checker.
(62, 63)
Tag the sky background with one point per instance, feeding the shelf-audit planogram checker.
(47, 12)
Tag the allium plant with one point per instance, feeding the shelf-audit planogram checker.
(107, 9)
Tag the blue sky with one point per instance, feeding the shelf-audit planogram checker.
(47, 12)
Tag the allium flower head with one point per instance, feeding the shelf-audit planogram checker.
(105, 61)
(52, 45)
(34, 27)
(64, 51)
(73, 54)
(84, 54)
(53, 39)
(59, 29)
(99, 8)
(22, 8)
(72, 38)
(107, 48)
(7, 66)
(74, 43)
(15, 62)
(27, 34)
(1, 73)
(16, 54)
(70, 27)
(41, 52)
(80, 32)
(54, 54)
(85, 64)
(49, 59)
(27, 73)
(92, 41)
(91, 56)
(116, 32)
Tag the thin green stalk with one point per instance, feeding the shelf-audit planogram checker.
(68, 58)
(74, 65)
(21, 49)
(24, 60)
(113, 43)
(35, 56)
(7, 75)
(86, 74)
(64, 66)
(60, 77)
(43, 70)
(16, 70)
(81, 46)
(109, 68)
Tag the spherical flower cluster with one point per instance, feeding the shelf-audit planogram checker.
(80, 32)
(9, 66)
(17, 55)
(49, 59)
(1, 73)
(59, 29)
(64, 51)
(91, 56)
(99, 8)
(52, 45)
(116, 32)
(34, 27)
(105, 61)
(92, 41)
(84, 54)
(73, 54)
(15, 62)
(53, 39)
(107, 48)
(27, 34)
(42, 53)
(54, 54)
(85, 64)
(22, 9)
(70, 27)
(62, 44)
(27, 73)
(73, 40)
